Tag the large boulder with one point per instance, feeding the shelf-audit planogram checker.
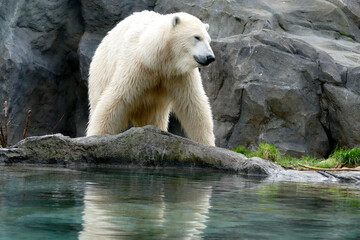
(142, 147)
(344, 115)
(254, 102)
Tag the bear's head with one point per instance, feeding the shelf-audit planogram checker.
(190, 42)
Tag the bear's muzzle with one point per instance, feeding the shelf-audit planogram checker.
(204, 60)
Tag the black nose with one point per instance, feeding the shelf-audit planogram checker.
(204, 61)
(209, 59)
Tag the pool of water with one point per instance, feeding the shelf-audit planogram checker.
(94, 203)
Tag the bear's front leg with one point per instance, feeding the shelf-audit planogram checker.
(192, 108)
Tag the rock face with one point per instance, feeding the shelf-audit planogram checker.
(287, 72)
(39, 67)
(256, 102)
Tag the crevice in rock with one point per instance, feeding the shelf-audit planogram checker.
(235, 121)
(324, 119)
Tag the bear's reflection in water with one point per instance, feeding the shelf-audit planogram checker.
(136, 207)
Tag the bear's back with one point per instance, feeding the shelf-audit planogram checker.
(115, 49)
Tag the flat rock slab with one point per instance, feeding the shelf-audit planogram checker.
(150, 147)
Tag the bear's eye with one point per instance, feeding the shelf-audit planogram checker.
(197, 38)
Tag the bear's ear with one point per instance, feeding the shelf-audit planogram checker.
(175, 21)
(206, 26)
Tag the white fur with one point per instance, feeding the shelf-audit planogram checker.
(143, 69)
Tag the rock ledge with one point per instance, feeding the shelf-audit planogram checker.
(150, 147)
(145, 146)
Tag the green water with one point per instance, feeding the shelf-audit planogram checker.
(60, 203)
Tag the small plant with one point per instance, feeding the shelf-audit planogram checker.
(242, 150)
(265, 150)
(269, 152)
(327, 163)
(292, 162)
(349, 157)
(308, 160)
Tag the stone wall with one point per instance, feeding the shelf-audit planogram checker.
(287, 72)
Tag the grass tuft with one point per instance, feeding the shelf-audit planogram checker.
(269, 152)
(327, 163)
(339, 157)
(349, 157)
(242, 150)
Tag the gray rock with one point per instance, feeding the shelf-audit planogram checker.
(353, 80)
(39, 67)
(254, 102)
(87, 48)
(226, 18)
(102, 15)
(146, 146)
(150, 147)
(274, 58)
(316, 176)
(344, 115)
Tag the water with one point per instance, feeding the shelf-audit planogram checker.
(60, 203)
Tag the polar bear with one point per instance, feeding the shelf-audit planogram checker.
(146, 67)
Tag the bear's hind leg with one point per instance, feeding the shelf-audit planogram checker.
(113, 121)
(110, 115)
(156, 115)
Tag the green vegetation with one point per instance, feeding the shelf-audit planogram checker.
(328, 163)
(338, 158)
(243, 150)
(348, 157)
(265, 151)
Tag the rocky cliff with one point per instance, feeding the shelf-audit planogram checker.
(287, 72)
